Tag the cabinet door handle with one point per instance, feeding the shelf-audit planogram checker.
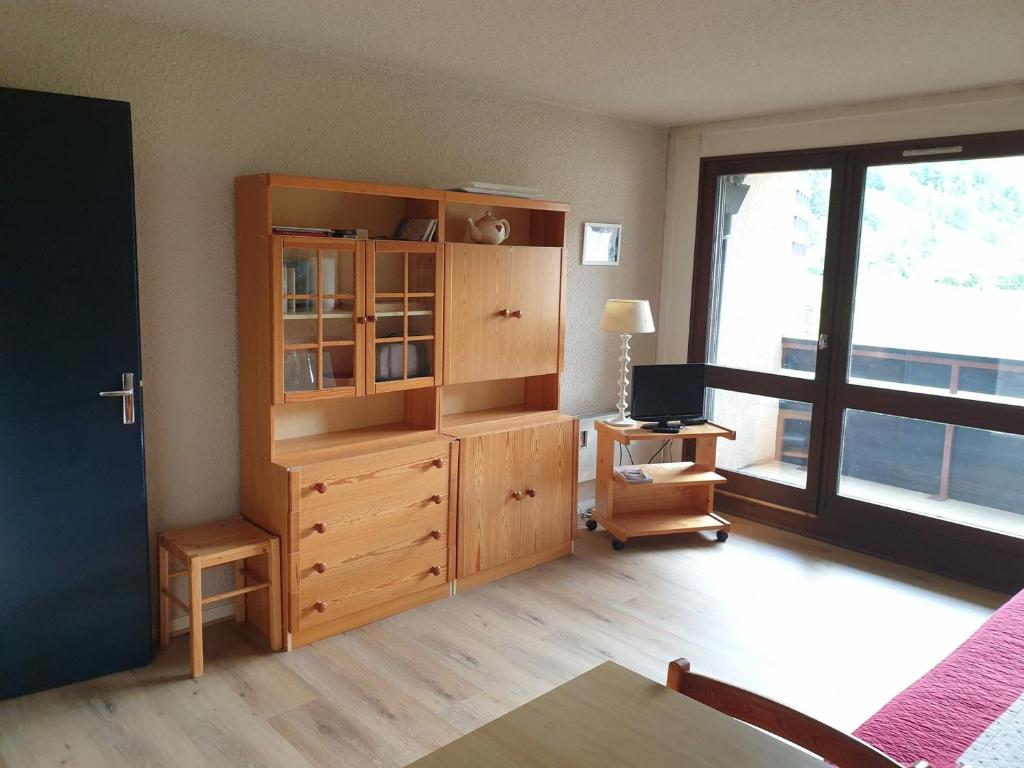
(435, 534)
(319, 607)
(360, 320)
(437, 498)
(371, 318)
(517, 495)
(435, 570)
(320, 567)
(531, 492)
(517, 314)
(438, 463)
(320, 487)
(503, 313)
(320, 527)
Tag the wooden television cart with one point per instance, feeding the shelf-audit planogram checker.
(399, 400)
(681, 498)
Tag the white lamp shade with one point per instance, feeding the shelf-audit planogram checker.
(627, 316)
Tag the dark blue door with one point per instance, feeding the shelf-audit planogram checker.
(74, 573)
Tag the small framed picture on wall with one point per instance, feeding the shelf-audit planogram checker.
(601, 244)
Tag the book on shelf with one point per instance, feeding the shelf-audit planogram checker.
(416, 229)
(350, 234)
(634, 475)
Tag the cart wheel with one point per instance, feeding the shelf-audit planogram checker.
(591, 525)
(722, 535)
(616, 544)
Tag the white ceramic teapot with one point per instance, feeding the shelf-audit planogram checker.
(488, 230)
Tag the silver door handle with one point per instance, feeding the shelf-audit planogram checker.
(127, 395)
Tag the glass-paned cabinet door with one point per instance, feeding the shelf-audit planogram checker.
(404, 292)
(320, 306)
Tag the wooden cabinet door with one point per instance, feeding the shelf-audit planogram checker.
(535, 290)
(545, 458)
(496, 527)
(487, 472)
(404, 306)
(476, 334)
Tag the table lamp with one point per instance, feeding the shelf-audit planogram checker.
(626, 317)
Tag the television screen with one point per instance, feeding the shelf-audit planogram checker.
(664, 392)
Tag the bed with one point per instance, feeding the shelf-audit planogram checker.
(956, 705)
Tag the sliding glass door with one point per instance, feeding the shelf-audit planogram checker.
(861, 314)
(771, 237)
(928, 414)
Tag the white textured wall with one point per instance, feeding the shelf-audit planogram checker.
(206, 109)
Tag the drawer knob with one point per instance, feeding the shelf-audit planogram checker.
(320, 487)
(320, 527)
(435, 534)
(319, 607)
(320, 567)
(438, 463)
(435, 570)
(437, 498)
(517, 314)
(517, 495)
(360, 320)
(503, 313)
(531, 492)
(371, 318)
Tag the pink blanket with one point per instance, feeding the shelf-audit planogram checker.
(938, 717)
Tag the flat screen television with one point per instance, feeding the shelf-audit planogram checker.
(666, 393)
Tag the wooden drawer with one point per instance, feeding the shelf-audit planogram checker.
(338, 500)
(396, 531)
(353, 481)
(370, 582)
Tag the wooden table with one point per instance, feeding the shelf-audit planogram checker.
(681, 498)
(611, 716)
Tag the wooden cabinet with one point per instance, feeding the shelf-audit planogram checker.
(503, 318)
(349, 451)
(516, 491)
(367, 532)
(355, 317)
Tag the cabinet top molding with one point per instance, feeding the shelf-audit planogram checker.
(389, 190)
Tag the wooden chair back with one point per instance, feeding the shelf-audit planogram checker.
(840, 749)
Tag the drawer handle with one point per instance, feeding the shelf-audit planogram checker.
(319, 607)
(320, 487)
(517, 495)
(435, 534)
(531, 492)
(503, 313)
(437, 498)
(517, 314)
(435, 570)
(320, 527)
(320, 567)
(438, 463)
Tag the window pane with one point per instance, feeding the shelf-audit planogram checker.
(772, 436)
(939, 303)
(767, 271)
(970, 476)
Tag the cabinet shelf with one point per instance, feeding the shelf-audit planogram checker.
(674, 473)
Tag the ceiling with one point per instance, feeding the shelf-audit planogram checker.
(667, 62)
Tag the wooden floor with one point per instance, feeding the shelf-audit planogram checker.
(829, 631)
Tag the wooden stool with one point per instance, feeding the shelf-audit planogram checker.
(206, 546)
